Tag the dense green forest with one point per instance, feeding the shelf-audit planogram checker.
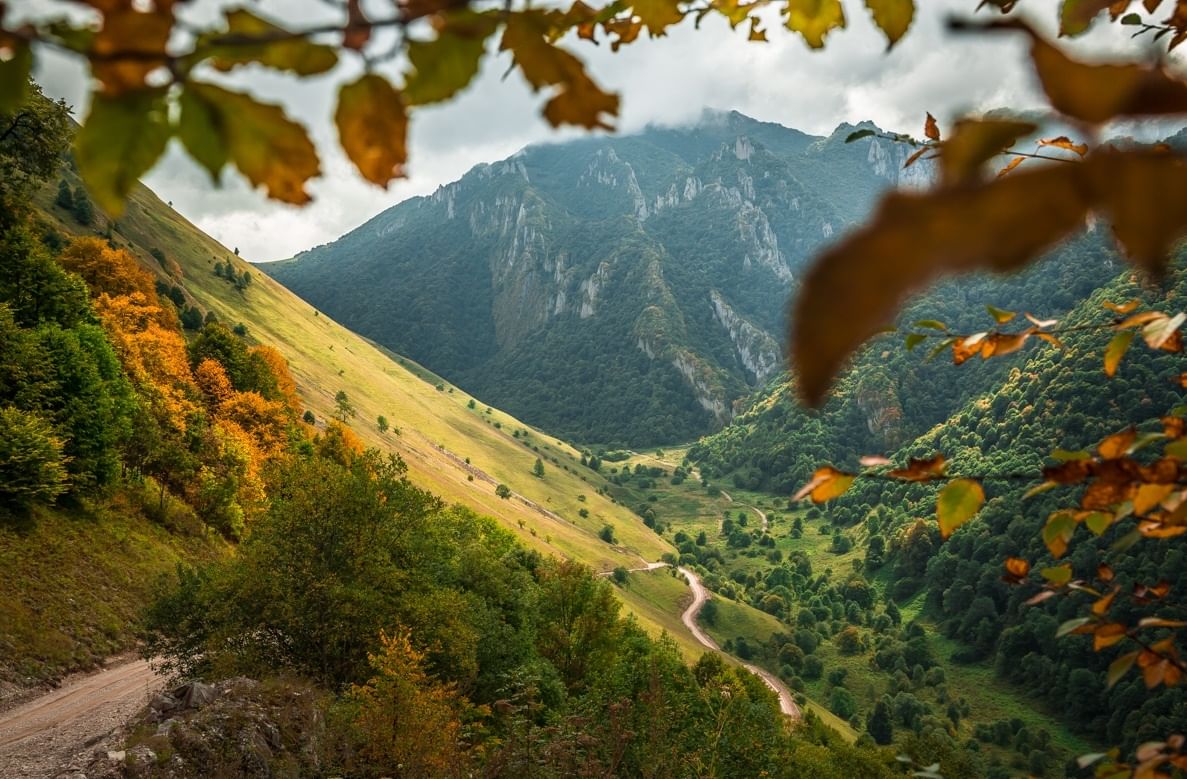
(1001, 418)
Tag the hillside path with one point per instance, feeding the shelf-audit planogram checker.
(762, 515)
(699, 595)
(39, 737)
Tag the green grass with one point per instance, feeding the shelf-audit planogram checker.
(75, 582)
(658, 599)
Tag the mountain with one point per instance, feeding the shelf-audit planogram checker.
(614, 289)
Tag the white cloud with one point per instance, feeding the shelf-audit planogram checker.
(668, 80)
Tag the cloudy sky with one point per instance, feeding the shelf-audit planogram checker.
(667, 80)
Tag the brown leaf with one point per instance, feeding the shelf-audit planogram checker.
(1123, 308)
(1143, 195)
(373, 128)
(855, 287)
(1106, 635)
(1063, 142)
(1099, 93)
(358, 28)
(1012, 164)
(1017, 568)
(920, 469)
(129, 46)
(930, 128)
(577, 99)
(973, 142)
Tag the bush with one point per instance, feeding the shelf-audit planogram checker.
(32, 466)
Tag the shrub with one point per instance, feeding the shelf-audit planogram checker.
(32, 466)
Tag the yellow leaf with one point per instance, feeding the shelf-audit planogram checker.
(1058, 532)
(122, 138)
(893, 17)
(827, 483)
(1116, 350)
(16, 61)
(266, 146)
(956, 504)
(1117, 445)
(814, 19)
(130, 45)
(973, 142)
(373, 128)
(1011, 165)
(1076, 15)
(855, 287)
(1107, 635)
(658, 15)
(1149, 496)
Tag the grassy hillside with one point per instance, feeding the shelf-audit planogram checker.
(457, 452)
(75, 580)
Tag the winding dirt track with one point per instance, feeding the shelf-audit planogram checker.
(39, 737)
(699, 595)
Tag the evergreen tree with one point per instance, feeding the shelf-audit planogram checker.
(65, 198)
(880, 723)
(83, 212)
(538, 468)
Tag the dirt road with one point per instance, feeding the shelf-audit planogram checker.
(699, 595)
(39, 737)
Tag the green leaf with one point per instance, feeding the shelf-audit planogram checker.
(1039, 489)
(443, 67)
(266, 146)
(893, 17)
(1176, 449)
(294, 54)
(956, 504)
(1131, 20)
(14, 77)
(1118, 668)
(857, 135)
(1098, 522)
(1058, 574)
(1126, 541)
(1058, 532)
(814, 19)
(1065, 455)
(1000, 315)
(199, 132)
(932, 324)
(122, 138)
(914, 339)
(373, 128)
(1070, 625)
(1116, 350)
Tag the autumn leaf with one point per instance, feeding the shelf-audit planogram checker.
(893, 18)
(373, 128)
(578, 100)
(1076, 15)
(1149, 496)
(277, 49)
(1118, 668)
(856, 285)
(1016, 568)
(1143, 195)
(130, 45)
(930, 128)
(269, 149)
(827, 483)
(1106, 635)
(1058, 532)
(919, 469)
(658, 15)
(1117, 445)
(814, 19)
(1098, 93)
(975, 141)
(1116, 350)
(124, 135)
(956, 504)
(446, 65)
(1065, 143)
(1058, 575)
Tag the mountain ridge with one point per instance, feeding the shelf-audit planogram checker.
(688, 239)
